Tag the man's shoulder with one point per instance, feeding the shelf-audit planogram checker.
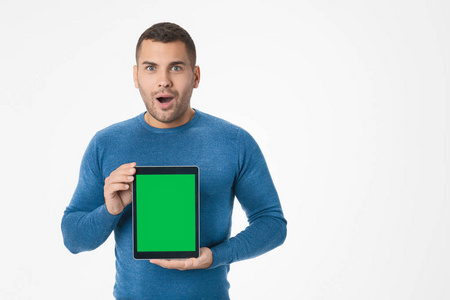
(118, 129)
(218, 124)
(223, 127)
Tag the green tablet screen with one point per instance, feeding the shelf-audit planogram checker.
(165, 212)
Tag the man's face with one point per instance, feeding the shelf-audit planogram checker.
(165, 79)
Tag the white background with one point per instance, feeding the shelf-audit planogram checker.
(347, 99)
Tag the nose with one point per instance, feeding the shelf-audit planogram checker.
(164, 81)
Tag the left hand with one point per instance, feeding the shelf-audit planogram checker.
(204, 261)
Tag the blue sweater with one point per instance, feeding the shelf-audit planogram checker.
(231, 164)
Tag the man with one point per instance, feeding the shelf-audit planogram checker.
(171, 133)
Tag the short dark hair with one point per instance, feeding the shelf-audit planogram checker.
(169, 32)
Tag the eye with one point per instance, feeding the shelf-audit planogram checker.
(150, 68)
(176, 68)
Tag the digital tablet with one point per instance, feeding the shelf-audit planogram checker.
(166, 212)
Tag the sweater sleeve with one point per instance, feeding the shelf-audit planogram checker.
(86, 223)
(258, 197)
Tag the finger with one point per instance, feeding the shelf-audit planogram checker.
(160, 262)
(125, 169)
(124, 178)
(111, 189)
(128, 165)
(122, 174)
(169, 263)
(203, 262)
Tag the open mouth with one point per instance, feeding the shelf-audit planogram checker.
(164, 100)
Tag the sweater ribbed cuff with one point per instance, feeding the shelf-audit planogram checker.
(106, 218)
(222, 254)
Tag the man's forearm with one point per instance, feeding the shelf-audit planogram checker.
(263, 235)
(84, 231)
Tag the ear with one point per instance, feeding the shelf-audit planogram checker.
(196, 76)
(135, 77)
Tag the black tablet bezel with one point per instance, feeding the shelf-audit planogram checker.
(142, 170)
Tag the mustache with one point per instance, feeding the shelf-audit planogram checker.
(165, 91)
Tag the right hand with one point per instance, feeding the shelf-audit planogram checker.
(118, 188)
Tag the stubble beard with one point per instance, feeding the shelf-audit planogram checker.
(165, 116)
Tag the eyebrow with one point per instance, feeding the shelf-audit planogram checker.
(150, 63)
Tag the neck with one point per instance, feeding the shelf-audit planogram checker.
(183, 119)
